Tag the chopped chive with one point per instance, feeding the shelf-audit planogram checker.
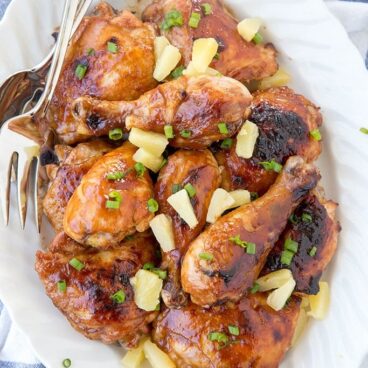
(207, 8)
(61, 285)
(306, 217)
(163, 163)
(169, 131)
(158, 307)
(194, 20)
(291, 245)
(218, 336)
(251, 248)
(148, 266)
(257, 39)
(175, 188)
(217, 56)
(254, 288)
(236, 239)
(315, 134)
(186, 133)
(178, 71)
(162, 274)
(118, 297)
(112, 47)
(293, 219)
(115, 195)
(271, 166)
(363, 130)
(115, 134)
(253, 196)
(190, 190)
(117, 175)
(173, 18)
(77, 264)
(152, 205)
(286, 257)
(222, 127)
(91, 51)
(234, 330)
(205, 256)
(226, 143)
(139, 168)
(80, 71)
(313, 251)
(112, 204)
(67, 363)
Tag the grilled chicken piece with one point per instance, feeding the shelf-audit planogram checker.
(232, 270)
(87, 218)
(87, 301)
(313, 224)
(195, 104)
(199, 168)
(238, 58)
(284, 120)
(121, 75)
(264, 335)
(66, 177)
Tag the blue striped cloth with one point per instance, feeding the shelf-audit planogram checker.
(8, 333)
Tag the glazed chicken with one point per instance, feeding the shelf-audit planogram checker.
(314, 227)
(111, 201)
(65, 177)
(110, 57)
(194, 105)
(233, 268)
(284, 120)
(264, 335)
(237, 58)
(88, 300)
(199, 168)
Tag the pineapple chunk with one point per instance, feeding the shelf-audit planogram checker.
(159, 45)
(167, 62)
(204, 50)
(274, 280)
(300, 325)
(279, 79)
(147, 288)
(246, 139)
(148, 159)
(134, 358)
(240, 196)
(191, 71)
(157, 357)
(277, 298)
(320, 303)
(161, 226)
(180, 202)
(154, 143)
(221, 201)
(248, 28)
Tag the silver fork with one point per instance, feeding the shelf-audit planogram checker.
(18, 150)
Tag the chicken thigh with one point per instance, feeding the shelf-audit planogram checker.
(240, 241)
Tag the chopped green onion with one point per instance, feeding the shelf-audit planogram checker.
(172, 19)
(67, 363)
(293, 219)
(114, 205)
(139, 168)
(364, 130)
(253, 196)
(158, 306)
(315, 134)
(118, 297)
(61, 285)
(251, 248)
(306, 217)
(236, 239)
(218, 336)
(217, 56)
(178, 71)
(175, 188)
(163, 163)
(152, 205)
(226, 143)
(77, 264)
(271, 166)
(112, 47)
(80, 71)
(91, 51)
(257, 39)
(313, 251)
(162, 274)
(205, 256)
(117, 175)
(207, 8)
(291, 245)
(234, 330)
(194, 20)
(185, 133)
(222, 127)
(148, 266)
(254, 288)
(190, 190)
(169, 131)
(114, 200)
(286, 257)
(115, 134)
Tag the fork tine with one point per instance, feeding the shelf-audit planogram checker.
(5, 175)
(37, 206)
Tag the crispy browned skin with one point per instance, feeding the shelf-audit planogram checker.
(123, 75)
(238, 58)
(284, 120)
(322, 232)
(232, 271)
(264, 335)
(200, 169)
(68, 176)
(88, 221)
(87, 302)
(196, 104)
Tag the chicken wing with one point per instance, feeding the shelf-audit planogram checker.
(111, 201)
(66, 177)
(193, 105)
(260, 336)
(315, 228)
(241, 240)
(199, 168)
(284, 120)
(110, 57)
(88, 300)
(237, 58)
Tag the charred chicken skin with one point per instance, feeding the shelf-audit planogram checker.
(238, 58)
(232, 270)
(284, 121)
(88, 301)
(192, 104)
(92, 219)
(264, 335)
